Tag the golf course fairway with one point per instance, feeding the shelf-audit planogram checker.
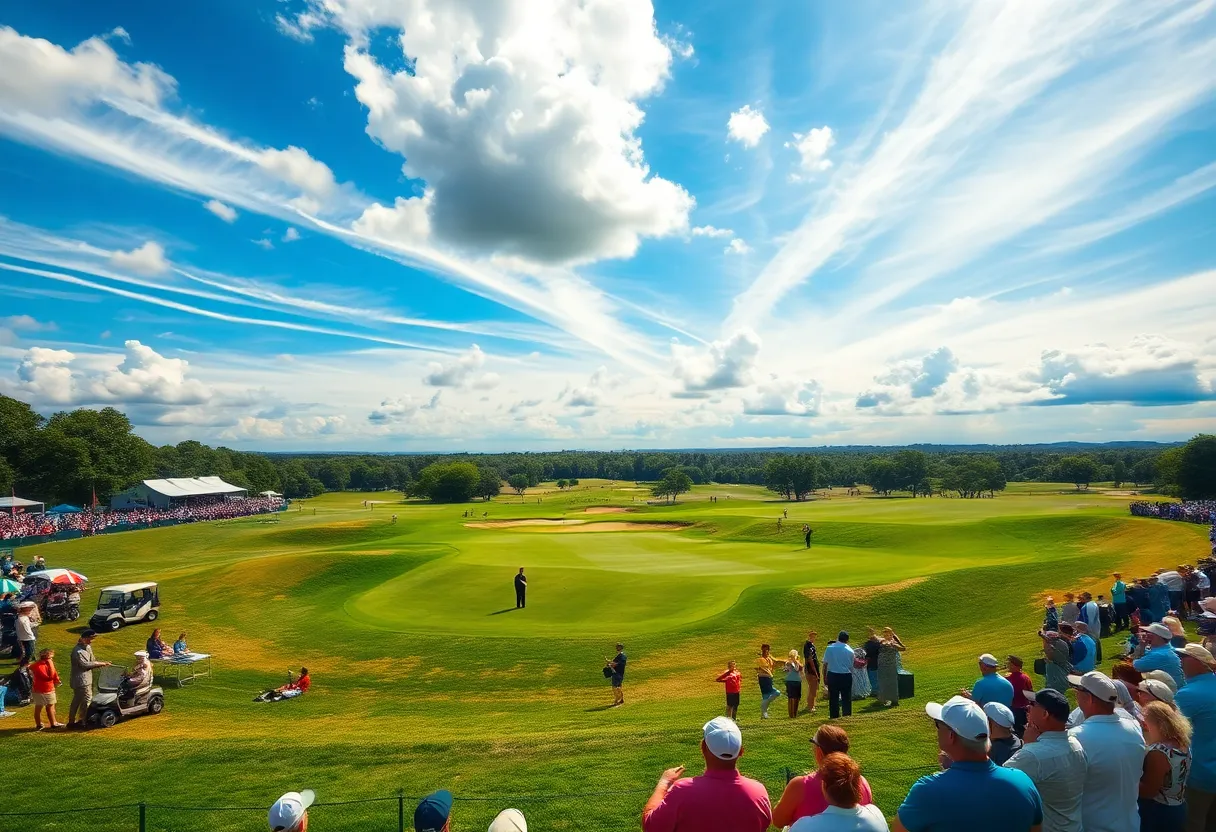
(425, 676)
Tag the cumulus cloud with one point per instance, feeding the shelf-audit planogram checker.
(144, 376)
(41, 77)
(523, 123)
(812, 147)
(295, 166)
(295, 427)
(710, 231)
(26, 323)
(148, 260)
(408, 221)
(263, 242)
(225, 212)
(746, 126)
(464, 371)
(918, 378)
(291, 235)
(591, 394)
(737, 246)
(784, 397)
(718, 366)
(1150, 370)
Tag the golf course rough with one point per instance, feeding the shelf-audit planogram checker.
(425, 675)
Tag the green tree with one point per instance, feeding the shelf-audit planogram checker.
(489, 483)
(1079, 470)
(335, 474)
(805, 478)
(879, 473)
(447, 483)
(1118, 472)
(1144, 471)
(519, 482)
(1197, 468)
(779, 475)
(911, 471)
(674, 483)
(563, 484)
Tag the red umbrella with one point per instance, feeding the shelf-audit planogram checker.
(60, 576)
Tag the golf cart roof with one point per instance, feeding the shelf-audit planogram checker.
(129, 587)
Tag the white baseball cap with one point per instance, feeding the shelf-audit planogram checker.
(143, 654)
(1160, 630)
(509, 820)
(1158, 690)
(289, 809)
(989, 660)
(962, 716)
(722, 738)
(1097, 684)
(999, 714)
(1164, 678)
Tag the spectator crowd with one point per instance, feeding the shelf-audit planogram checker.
(1188, 511)
(28, 524)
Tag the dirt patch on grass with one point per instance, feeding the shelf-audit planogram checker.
(607, 510)
(857, 593)
(578, 525)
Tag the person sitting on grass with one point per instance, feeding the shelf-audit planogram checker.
(299, 686)
(804, 795)
(156, 647)
(290, 812)
(733, 680)
(719, 799)
(180, 648)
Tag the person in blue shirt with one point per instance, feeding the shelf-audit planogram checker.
(1158, 601)
(991, 686)
(973, 792)
(1197, 702)
(1118, 597)
(1159, 655)
(838, 663)
(1085, 652)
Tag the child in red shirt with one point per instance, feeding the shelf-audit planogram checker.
(733, 680)
(1022, 685)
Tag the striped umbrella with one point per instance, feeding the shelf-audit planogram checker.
(7, 585)
(59, 576)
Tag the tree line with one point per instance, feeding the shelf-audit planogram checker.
(71, 455)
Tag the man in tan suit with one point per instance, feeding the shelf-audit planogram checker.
(83, 665)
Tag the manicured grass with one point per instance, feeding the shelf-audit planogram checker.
(425, 676)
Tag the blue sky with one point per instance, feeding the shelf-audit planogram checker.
(426, 224)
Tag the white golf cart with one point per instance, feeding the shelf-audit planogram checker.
(116, 699)
(125, 604)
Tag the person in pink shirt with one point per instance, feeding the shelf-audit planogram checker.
(803, 796)
(734, 686)
(720, 800)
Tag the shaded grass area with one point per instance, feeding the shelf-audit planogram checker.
(419, 685)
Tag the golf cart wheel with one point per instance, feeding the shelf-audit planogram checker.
(153, 615)
(108, 719)
(73, 614)
(156, 704)
(114, 625)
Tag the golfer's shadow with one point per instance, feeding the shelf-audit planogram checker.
(607, 707)
(508, 609)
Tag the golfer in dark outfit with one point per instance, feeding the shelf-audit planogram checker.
(521, 590)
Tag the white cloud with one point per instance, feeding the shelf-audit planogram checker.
(812, 147)
(461, 372)
(1150, 370)
(746, 126)
(263, 242)
(41, 77)
(148, 260)
(737, 246)
(295, 427)
(225, 212)
(408, 221)
(710, 231)
(295, 166)
(718, 366)
(522, 122)
(142, 377)
(26, 323)
(291, 235)
(784, 397)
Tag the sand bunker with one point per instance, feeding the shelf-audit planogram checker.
(577, 525)
(857, 593)
(606, 510)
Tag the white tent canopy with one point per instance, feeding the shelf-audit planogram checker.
(11, 504)
(269, 494)
(160, 493)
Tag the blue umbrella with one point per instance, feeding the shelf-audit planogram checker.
(7, 586)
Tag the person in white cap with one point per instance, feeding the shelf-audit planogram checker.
(1115, 752)
(24, 624)
(991, 686)
(720, 800)
(509, 820)
(973, 792)
(1197, 702)
(290, 812)
(141, 674)
(1153, 690)
(1000, 733)
(1164, 678)
(1159, 655)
